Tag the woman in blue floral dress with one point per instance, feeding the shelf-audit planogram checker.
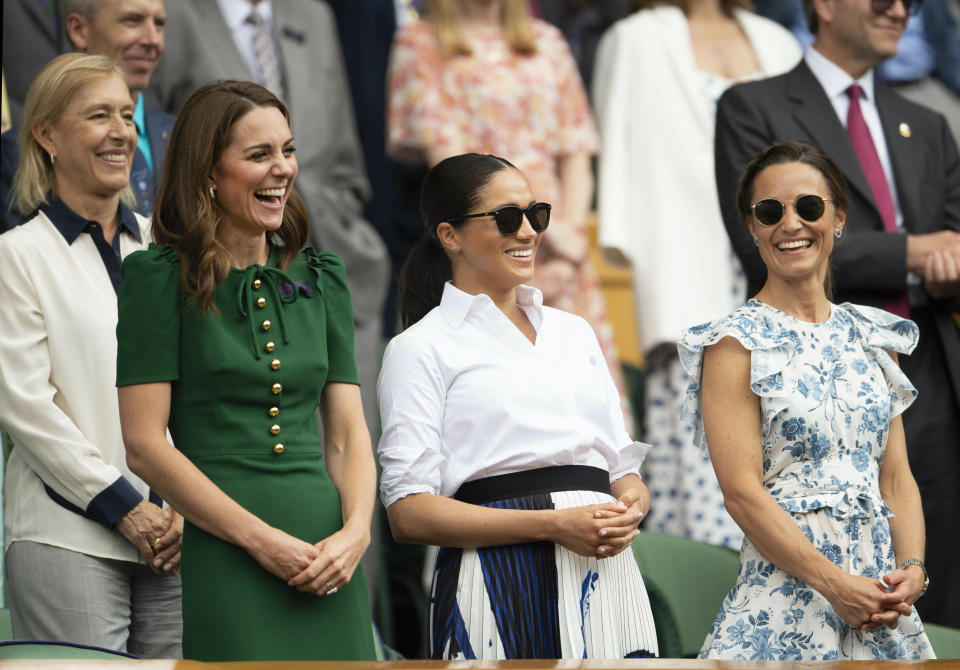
(798, 401)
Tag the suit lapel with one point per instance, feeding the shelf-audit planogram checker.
(219, 39)
(159, 127)
(903, 158)
(814, 112)
(292, 39)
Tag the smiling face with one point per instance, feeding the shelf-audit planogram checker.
(486, 260)
(858, 36)
(129, 32)
(92, 141)
(255, 172)
(794, 249)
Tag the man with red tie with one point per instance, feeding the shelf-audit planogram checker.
(901, 250)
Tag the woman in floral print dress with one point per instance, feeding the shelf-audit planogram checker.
(798, 401)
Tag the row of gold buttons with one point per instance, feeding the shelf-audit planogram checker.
(277, 387)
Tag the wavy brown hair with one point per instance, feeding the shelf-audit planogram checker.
(186, 217)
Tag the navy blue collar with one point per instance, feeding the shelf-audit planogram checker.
(70, 224)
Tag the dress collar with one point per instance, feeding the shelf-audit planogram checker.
(455, 304)
(70, 224)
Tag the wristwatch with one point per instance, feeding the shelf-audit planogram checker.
(916, 561)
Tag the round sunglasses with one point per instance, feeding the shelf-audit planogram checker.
(510, 218)
(770, 211)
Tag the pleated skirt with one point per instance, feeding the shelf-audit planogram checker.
(539, 599)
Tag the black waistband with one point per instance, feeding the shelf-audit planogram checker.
(532, 482)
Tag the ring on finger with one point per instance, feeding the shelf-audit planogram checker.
(331, 589)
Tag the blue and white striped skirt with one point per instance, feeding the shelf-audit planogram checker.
(538, 599)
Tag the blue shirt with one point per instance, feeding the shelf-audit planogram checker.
(143, 140)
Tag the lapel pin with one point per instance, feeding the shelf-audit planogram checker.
(905, 129)
(295, 35)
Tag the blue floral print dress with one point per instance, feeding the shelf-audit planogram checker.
(827, 393)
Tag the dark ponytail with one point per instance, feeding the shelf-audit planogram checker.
(451, 188)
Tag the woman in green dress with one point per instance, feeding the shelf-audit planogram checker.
(232, 338)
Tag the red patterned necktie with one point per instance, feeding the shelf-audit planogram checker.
(866, 151)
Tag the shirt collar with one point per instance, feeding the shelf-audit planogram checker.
(455, 304)
(235, 12)
(70, 224)
(834, 79)
(138, 119)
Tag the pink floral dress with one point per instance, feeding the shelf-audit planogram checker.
(530, 109)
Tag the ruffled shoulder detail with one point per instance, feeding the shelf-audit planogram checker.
(328, 268)
(771, 345)
(881, 331)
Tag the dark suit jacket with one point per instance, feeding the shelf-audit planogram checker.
(869, 265)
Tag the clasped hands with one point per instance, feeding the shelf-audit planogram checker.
(936, 258)
(157, 534)
(603, 530)
(321, 568)
(866, 603)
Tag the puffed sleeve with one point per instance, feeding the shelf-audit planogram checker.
(418, 118)
(883, 332)
(332, 282)
(412, 394)
(149, 303)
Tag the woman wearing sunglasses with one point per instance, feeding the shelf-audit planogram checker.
(503, 440)
(798, 401)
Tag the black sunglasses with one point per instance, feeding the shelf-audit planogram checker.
(510, 218)
(769, 211)
(880, 6)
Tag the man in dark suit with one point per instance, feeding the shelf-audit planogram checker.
(902, 246)
(131, 32)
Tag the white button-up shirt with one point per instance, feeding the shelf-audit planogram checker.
(465, 395)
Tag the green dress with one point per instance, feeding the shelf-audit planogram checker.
(245, 385)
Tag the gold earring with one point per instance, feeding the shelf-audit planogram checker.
(213, 193)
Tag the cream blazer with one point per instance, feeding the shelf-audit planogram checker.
(657, 196)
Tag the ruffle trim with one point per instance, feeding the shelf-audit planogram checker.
(772, 343)
(843, 503)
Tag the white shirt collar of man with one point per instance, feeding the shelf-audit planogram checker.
(834, 79)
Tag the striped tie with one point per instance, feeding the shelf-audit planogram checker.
(265, 52)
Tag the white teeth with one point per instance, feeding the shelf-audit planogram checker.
(520, 253)
(794, 245)
(114, 158)
(273, 191)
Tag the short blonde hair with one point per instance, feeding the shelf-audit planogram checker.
(447, 19)
(34, 184)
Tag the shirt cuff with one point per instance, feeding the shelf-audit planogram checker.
(114, 502)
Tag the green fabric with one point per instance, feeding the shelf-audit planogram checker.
(6, 627)
(221, 389)
(690, 580)
(945, 641)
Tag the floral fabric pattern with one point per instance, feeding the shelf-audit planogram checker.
(827, 394)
